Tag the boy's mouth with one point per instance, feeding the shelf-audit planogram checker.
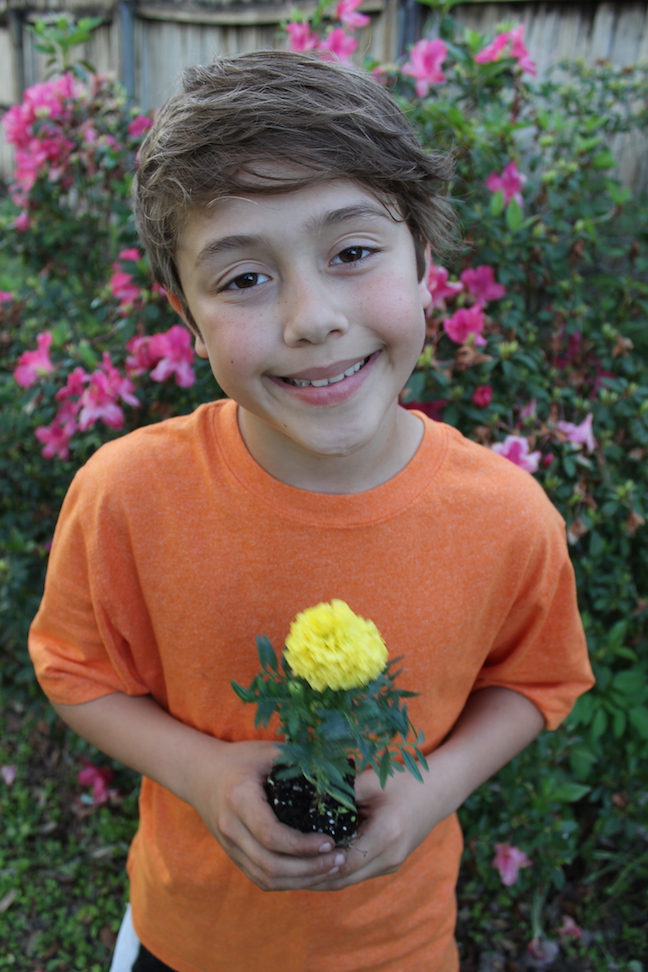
(323, 382)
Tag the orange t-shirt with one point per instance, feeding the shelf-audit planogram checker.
(174, 549)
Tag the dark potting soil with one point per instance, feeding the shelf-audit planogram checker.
(296, 804)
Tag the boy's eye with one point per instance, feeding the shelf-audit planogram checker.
(245, 281)
(351, 254)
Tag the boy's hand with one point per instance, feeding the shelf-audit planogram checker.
(223, 781)
(494, 726)
(396, 820)
(228, 794)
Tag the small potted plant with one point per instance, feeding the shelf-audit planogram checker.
(340, 713)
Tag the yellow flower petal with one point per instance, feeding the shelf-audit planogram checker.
(332, 647)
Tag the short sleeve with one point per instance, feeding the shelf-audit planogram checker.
(77, 651)
(540, 650)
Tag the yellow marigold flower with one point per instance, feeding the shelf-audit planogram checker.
(331, 647)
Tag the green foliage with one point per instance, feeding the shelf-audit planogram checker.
(59, 38)
(333, 734)
(62, 888)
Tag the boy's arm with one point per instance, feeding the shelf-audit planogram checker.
(495, 725)
(221, 780)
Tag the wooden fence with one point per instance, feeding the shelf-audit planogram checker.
(147, 43)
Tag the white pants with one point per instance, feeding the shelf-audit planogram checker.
(126, 947)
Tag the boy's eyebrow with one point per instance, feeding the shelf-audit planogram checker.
(358, 211)
(240, 241)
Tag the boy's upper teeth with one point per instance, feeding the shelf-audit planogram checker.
(321, 382)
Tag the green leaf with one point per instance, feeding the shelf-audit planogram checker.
(267, 655)
(604, 160)
(569, 792)
(617, 634)
(243, 693)
(599, 725)
(619, 722)
(595, 543)
(629, 682)
(412, 766)
(384, 768)
(497, 203)
(638, 716)
(514, 216)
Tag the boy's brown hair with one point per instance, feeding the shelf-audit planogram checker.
(273, 122)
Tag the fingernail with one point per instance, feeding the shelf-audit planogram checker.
(325, 848)
(339, 859)
(334, 870)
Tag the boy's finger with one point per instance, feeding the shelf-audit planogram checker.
(281, 839)
(277, 872)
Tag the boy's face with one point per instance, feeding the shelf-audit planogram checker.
(311, 314)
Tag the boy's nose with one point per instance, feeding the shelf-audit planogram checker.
(310, 314)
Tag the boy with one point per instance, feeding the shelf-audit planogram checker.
(288, 211)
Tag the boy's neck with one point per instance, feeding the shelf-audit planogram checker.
(369, 467)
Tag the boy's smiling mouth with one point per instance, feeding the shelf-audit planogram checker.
(322, 382)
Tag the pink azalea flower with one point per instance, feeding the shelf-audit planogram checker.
(548, 459)
(529, 411)
(120, 386)
(510, 181)
(66, 415)
(8, 774)
(339, 45)
(6, 297)
(139, 125)
(33, 365)
(98, 402)
(509, 860)
(439, 286)
(90, 133)
(301, 37)
(98, 779)
(494, 50)
(508, 44)
(132, 254)
(463, 323)
(123, 289)
(346, 12)
(480, 281)
(175, 356)
(520, 52)
(56, 439)
(515, 448)
(140, 358)
(22, 222)
(74, 385)
(426, 58)
(482, 396)
(581, 434)
(569, 928)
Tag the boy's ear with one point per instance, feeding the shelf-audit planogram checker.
(199, 344)
(426, 296)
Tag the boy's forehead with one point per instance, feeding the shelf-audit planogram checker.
(315, 206)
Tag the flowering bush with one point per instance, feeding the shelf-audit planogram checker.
(89, 349)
